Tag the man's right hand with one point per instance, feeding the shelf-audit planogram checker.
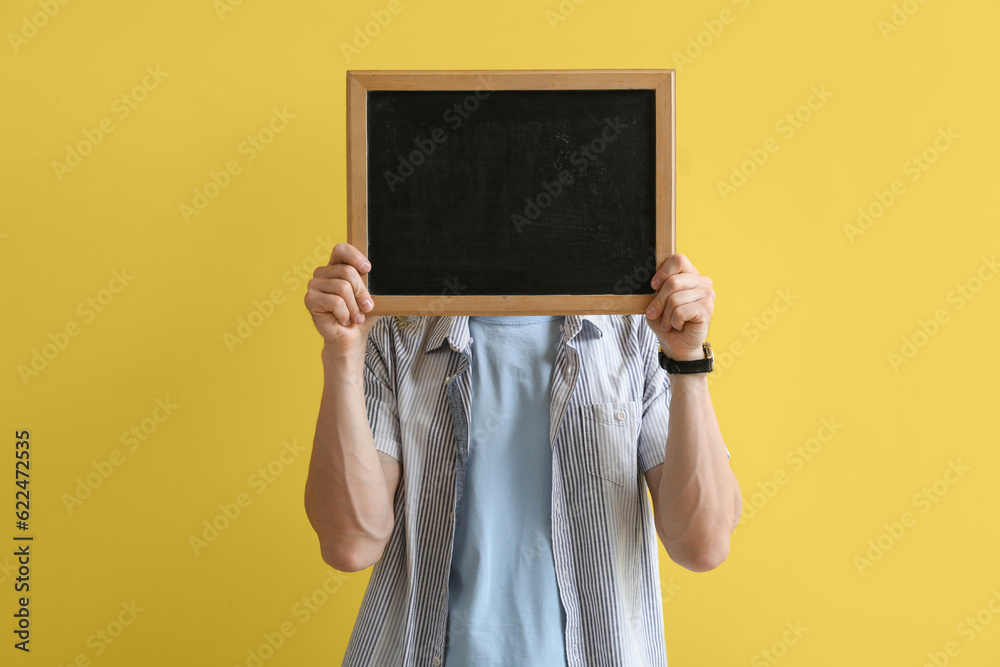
(337, 300)
(351, 485)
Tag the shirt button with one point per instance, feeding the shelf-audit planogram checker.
(436, 661)
(620, 415)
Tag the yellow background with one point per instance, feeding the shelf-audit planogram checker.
(824, 357)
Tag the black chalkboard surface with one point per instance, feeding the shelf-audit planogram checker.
(511, 199)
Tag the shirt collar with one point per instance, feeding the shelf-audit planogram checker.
(455, 328)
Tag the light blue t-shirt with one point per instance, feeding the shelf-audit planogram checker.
(503, 601)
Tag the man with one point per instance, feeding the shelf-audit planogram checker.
(495, 471)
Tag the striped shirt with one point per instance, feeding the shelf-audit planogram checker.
(609, 412)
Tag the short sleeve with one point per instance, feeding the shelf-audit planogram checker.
(380, 395)
(655, 403)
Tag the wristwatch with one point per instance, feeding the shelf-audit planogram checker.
(684, 367)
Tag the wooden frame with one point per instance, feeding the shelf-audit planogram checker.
(660, 80)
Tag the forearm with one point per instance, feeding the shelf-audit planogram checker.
(697, 488)
(346, 497)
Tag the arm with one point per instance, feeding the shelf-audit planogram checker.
(350, 486)
(696, 498)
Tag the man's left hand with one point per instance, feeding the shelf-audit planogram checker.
(682, 309)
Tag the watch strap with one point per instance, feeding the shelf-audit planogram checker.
(675, 367)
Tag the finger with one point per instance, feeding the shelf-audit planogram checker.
(672, 284)
(322, 303)
(351, 275)
(676, 263)
(682, 297)
(696, 311)
(345, 253)
(341, 288)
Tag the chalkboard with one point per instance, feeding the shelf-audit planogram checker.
(527, 192)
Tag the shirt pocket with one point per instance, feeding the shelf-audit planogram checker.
(610, 440)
